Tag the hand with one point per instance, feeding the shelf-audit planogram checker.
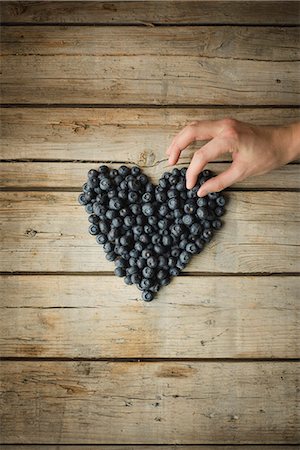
(255, 150)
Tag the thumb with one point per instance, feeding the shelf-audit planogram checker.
(222, 181)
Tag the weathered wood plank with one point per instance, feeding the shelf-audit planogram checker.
(260, 43)
(151, 66)
(133, 135)
(153, 12)
(97, 317)
(48, 231)
(146, 447)
(72, 175)
(150, 403)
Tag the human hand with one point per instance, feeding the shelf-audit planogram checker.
(255, 150)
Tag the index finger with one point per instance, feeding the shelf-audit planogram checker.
(201, 130)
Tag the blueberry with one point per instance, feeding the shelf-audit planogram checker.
(221, 201)
(152, 262)
(162, 262)
(129, 221)
(105, 184)
(190, 208)
(104, 226)
(140, 219)
(207, 235)
(138, 246)
(172, 193)
(159, 249)
(163, 224)
(135, 171)
(207, 173)
(125, 240)
(191, 248)
(219, 211)
(108, 247)
(163, 183)
(132, 269)
(93, 183)
(82, 199)
(155, 287)
(141, 263)
(148, 229)
(144, 239)
(93, 173)
(93, 219)
(147, 197)
(173, 203)
(134, 253)
(138, 230)
(175, 252)
(176, 230)
(196, 229)
(93, 229)
(148, 272)
(165, 281)
(103, 170)
(133, 196)
(161, 274)
(111, 256)
(135, 278)
(120, 272)
(127, 280)
(136, 209)
(101, 238)
(124, 171)
(172, 261)
(115, 203)
(217, 224)
(111, 214)
(124, 212)
(180, 186)
(148, 209)
(167, 241)
(212, 195)
(145, 283)
(121, 262)
(174, 271)
(122, 194)
(147, 296)
(111, 236)
(116, 222)
(173, 180)
(183, 243)
(201, 201)
(113, 173)
(199, 244)
(184, 257)
(161, 197)
(89, 208)
(187, 219)
(152, 220)
(143, 179)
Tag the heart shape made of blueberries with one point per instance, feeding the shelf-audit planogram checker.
(151, 232)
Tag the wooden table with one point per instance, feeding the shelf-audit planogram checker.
(213, 360)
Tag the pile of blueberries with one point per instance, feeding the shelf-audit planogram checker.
(151, 232)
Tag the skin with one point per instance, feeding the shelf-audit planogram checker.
(255, 150)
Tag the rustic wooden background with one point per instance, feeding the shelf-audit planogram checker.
(214, 359)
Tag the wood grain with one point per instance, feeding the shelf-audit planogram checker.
(35, 175)
(149, 403)
(146, 447)
(153, 12)
(98, 317)
(132, 135)
(48, 232)
(158, 66)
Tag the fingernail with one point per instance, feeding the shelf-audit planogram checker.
(201, 192)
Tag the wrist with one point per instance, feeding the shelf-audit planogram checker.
(287, 140)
